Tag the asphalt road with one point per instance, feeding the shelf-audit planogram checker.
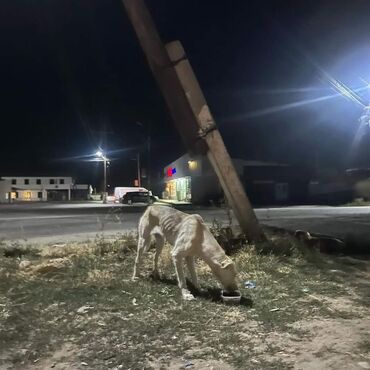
(54, 223)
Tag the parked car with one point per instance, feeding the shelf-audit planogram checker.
(138, 197)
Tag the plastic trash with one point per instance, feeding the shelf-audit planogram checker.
(250, 284)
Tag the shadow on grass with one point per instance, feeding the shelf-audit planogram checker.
(210, 293)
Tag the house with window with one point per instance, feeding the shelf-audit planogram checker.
(45, 188)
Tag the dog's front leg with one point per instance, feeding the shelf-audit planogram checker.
(178, 261)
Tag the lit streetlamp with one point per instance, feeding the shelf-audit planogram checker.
(101, 155)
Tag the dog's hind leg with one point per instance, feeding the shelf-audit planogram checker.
(159, 243)
(193, 274)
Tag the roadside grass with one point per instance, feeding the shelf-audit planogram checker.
(357, 203)
(82, 295)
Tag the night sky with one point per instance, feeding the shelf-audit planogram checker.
(73, 78)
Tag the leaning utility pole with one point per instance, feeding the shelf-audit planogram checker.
(190, 112)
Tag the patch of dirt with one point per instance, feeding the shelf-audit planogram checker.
(63, 358)
(44, 267)
(341, 304)
(328, 344)
(198, 364)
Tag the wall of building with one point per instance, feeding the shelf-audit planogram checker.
(26, 182)
(32, 188)
(81, 192)
(206, 189)
(276, 184)
(184, 166)
(5, 189)
(30, 195)
(265, 183)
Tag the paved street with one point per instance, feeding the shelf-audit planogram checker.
(53, 222)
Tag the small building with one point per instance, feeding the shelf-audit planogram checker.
(332, 186)
(192, 179)
(270, 183)
(5, 191)
(81, 192)
(45, 188)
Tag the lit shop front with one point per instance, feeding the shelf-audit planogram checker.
(179, 189)
(190, 179)
(179, 179)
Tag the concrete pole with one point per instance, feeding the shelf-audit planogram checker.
(217, 153)
(105, 181)
(148, 145)
(190, 112)
(138, 169)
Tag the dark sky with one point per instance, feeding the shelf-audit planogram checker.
(73, 77)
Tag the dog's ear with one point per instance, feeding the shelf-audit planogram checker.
(226, 262)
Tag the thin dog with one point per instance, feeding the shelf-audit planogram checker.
(190, 238)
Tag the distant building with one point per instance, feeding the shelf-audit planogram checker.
(5, 191)
(331, 186)
(44, 189)
(192, 179)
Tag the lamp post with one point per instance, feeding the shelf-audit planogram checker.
(147, 127)
(101, 155)
(138, 169)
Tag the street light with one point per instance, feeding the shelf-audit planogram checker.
(101, 155)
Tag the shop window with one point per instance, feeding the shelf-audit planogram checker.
(39, 194)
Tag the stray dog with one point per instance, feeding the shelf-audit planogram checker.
(190, 238)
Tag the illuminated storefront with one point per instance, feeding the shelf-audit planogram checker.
(179, 189)
(190, 179)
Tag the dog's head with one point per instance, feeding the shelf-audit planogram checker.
(226, 272)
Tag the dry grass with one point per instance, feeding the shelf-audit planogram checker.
(84, 312)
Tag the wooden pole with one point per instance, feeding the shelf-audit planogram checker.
(190, 112)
